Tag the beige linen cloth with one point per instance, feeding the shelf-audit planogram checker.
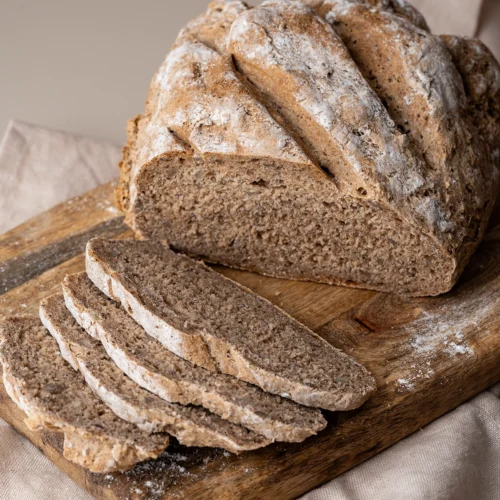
(455, 458)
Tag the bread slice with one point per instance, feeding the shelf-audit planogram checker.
(216, 323)
(172, 378)
(330, 142)
(56, 397)
(192, 426)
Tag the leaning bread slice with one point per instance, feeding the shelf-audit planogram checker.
(56, 397)
(214, 322)
(192, 426)
(172, 378)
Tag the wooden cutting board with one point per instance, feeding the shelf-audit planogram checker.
(428, 356)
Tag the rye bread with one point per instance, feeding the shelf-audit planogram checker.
(214, 322)
(332, 142)
(192, 426)
(55, 397)
(163, 373)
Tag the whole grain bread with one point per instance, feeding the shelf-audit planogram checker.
(192, 426)
(332, 142)
(172, 378)
(57, 398)
(213, 322)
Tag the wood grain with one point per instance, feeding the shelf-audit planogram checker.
(32, 248)
(428, 356)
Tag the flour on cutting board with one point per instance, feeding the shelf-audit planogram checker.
(107, 206)
(441, 332)
(152, 479)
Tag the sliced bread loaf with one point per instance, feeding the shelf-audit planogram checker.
(172, 378)
(192, 426)
(330, 142)
(56, 397)
(212, 321)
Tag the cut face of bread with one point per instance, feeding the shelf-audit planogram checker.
(161, 372)
(214, 322)
(56, 397)
(192, 426)
(330, 142)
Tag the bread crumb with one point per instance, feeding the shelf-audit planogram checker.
(454, 348)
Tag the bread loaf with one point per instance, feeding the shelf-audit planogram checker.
(333, 142)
